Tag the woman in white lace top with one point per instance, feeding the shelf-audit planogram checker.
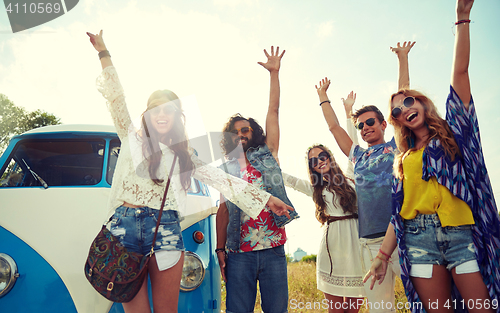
(146, 156)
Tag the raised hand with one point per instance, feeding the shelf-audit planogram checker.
(463, 8)
(97, 41)
(404, 49)
(273, 60)
(323, 86)
(349, 102)
(279, 207)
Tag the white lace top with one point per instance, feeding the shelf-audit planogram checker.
(131, 181)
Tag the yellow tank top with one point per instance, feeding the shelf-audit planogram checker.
(429, 197)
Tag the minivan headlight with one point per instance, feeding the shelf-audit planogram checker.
(8, 274)
(193, 272)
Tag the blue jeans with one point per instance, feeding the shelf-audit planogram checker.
(430, 243)
(244, 269)
(135, 228)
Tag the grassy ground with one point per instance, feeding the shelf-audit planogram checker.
(302, 289)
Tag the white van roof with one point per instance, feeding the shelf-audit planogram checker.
(73, 128)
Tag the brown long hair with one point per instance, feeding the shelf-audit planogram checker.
(336, 182)
(176, 139)
(438, 128)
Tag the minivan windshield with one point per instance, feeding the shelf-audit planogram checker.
(55, 162)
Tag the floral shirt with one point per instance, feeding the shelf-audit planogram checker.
(373, 180)
(259, 233)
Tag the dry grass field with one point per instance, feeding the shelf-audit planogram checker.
(302, 289)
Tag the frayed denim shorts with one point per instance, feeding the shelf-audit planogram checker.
(135, 228)
(430, 243)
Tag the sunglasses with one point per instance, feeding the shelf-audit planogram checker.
(244, 130)
(168, 109)
(323, 156)
(369, 122)
(407, 102)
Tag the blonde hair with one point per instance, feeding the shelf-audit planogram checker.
(438, 128)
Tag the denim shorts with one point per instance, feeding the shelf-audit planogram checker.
(135, 228)
(430, 243)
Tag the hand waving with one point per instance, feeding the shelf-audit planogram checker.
(323, 86)
(273, 60)
(463, 8)
(405, 49)
(349, 102)
(97, 41)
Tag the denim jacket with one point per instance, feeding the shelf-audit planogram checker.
(262, 160)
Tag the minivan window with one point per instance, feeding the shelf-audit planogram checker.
(114, 151)
(55, 163)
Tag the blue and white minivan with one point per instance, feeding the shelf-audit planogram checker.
(54, 189)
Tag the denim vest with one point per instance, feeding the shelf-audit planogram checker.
(263, 161)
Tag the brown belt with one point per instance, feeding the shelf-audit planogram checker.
(329, 220)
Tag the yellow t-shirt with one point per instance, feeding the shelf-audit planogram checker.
(429, 197)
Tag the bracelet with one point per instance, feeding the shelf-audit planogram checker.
(384, 254)
(462, 21)
(377, 257)
(104, 53)
(220, 250)
(324, 102)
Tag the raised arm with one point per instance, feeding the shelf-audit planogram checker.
(110, 87)
(351, 130)
(341, 136)
(298, 184)
(98, 43)
(404, 72)
(460, 68)
(272, 120)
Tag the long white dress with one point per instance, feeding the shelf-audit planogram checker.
(340, 275)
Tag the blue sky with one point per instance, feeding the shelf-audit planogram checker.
(208, 51)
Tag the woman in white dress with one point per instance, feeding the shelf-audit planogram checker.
(338, 269)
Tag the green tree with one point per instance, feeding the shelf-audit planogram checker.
(39, 118)
(309, 258)
(16, 120)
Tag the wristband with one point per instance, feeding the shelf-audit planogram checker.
(220, 250)
(324, 102)
(462, 21)
(378, 257)
(104, 53)
(384, 254)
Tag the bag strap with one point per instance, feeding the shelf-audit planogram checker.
(162, 204)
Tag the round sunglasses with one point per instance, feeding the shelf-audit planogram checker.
(167, 109)
(314, 161)
(244, 130)
(407, 102)
(369, 122)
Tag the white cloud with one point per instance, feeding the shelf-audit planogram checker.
(235, 3)
(324, 30)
